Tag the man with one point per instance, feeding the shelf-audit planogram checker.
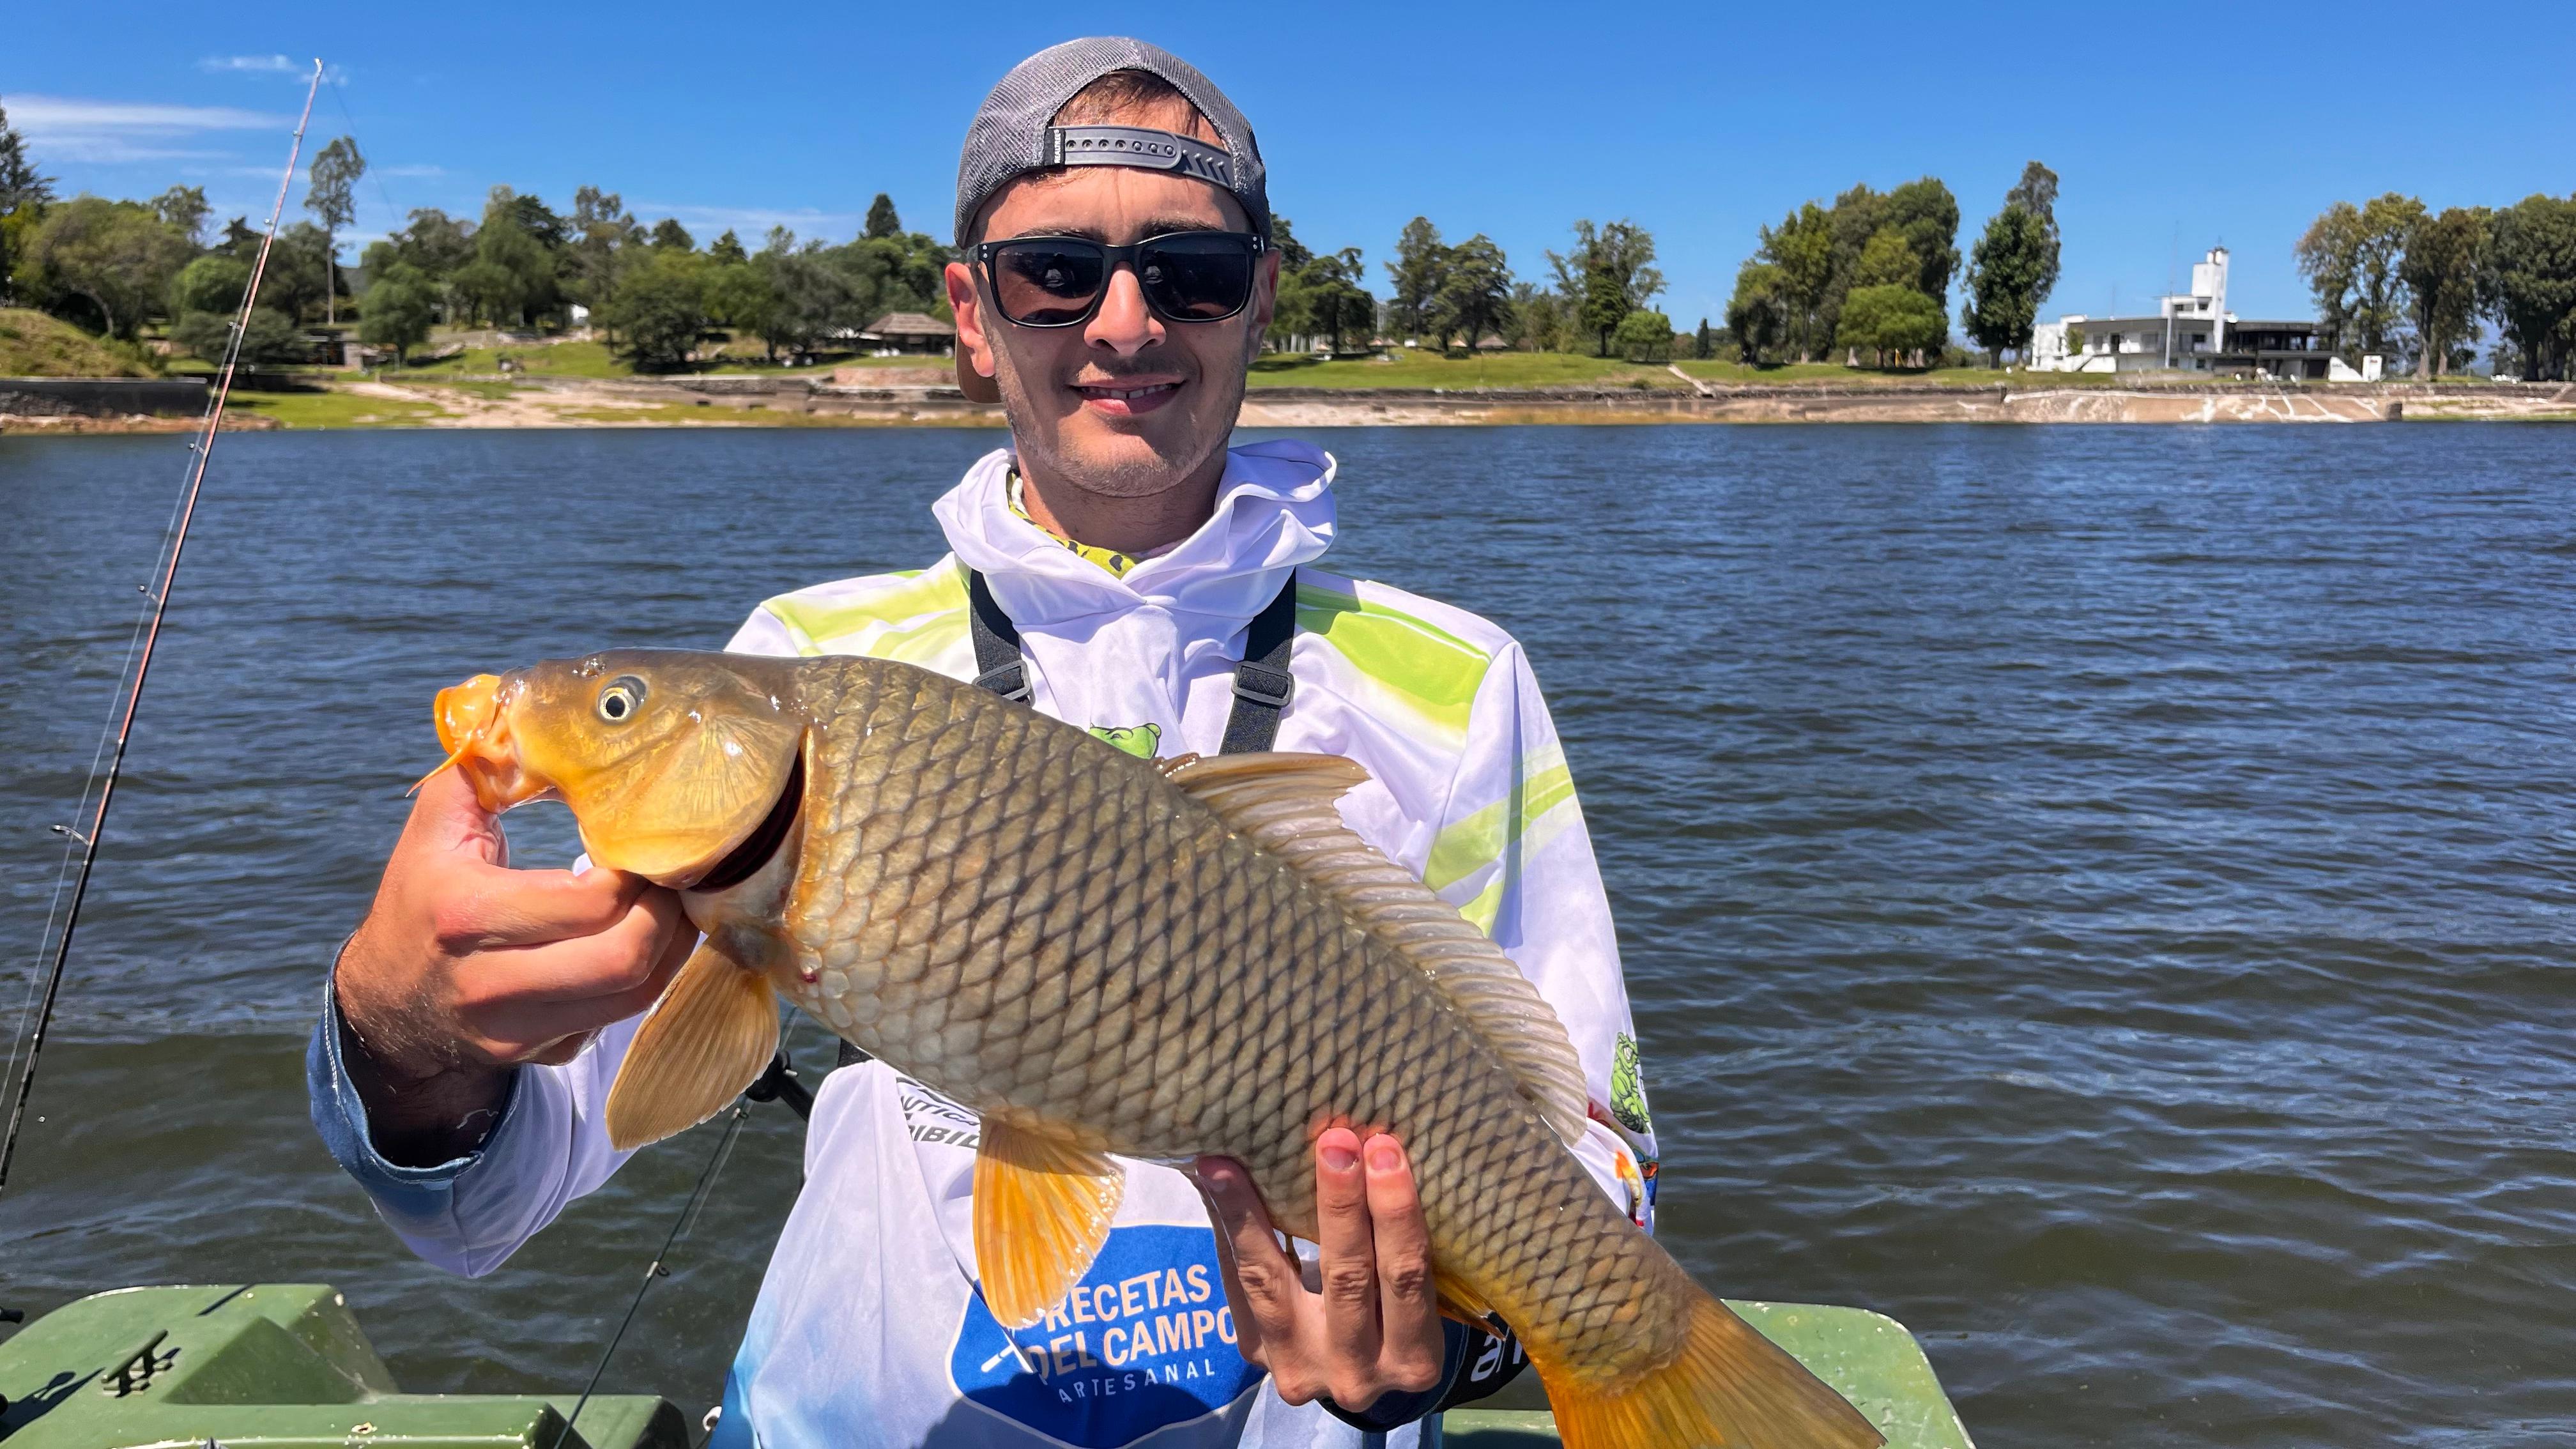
(1119, 568)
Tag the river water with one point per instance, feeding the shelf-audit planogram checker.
(2100, 895)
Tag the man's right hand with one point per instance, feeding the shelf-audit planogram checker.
(465, 969)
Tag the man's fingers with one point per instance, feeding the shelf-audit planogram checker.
(1408, 1306)
(493, 906)
(636, 953)
(1263, 1270)
(1349, 1260)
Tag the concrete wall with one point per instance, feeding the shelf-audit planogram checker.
(101, 396)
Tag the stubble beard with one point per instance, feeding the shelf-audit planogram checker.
(1108, 478)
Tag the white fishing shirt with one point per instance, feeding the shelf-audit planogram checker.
(869, 1329)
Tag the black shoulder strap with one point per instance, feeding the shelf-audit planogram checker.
(1262, 683)
(998, 666)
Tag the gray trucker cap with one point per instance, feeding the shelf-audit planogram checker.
(1015, 132)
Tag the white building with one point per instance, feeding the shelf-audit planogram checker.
(2191, 332)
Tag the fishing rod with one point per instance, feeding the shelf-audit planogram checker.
(156, 608)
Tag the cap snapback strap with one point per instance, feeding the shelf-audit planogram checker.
(1139, 146)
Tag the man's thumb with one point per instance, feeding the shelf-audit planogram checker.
(448, 817)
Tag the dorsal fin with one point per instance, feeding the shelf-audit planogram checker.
(1284, 803)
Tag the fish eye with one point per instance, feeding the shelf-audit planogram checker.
(621, 699)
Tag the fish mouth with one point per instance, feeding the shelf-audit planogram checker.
(474, 728)
(759, 847)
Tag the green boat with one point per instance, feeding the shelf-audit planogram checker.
(285, 1364)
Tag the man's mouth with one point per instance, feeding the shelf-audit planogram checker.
(1126, 399)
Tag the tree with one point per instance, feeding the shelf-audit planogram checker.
(212, 283)
(435, 244)
(2036, 193)
(660, 307)
(1475, 292)
(2530, 283)
(2444, 255)
(2009, 275)
(115, 255)
(334, 176)
(738, 296)
(1704, 342)
(515, 240)
(2328, 255)
(1925, 213)
(1886, 261)
(298, 270)
(400, 304)
(183, 207)
(1339, 304)
(670, 236)
(20, 185)
(1645, 336)
(1761, 316)
(1890, 320)
(727, 249)
(270, 336)
(1608, 274)
(2380, 303)
(2350, 257)
(1414, 277)
(808, 295)
(1800, 253)
(882, 222)
(598, 236)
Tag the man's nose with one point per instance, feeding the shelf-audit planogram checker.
(1124, 324)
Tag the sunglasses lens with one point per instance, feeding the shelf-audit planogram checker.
(1196, 278)
(1047, 283)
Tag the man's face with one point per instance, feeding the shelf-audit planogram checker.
(1127, 404)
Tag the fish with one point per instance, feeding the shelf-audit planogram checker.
(1113, 956)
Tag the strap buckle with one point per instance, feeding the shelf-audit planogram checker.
(1011, 681)
(1263, 686)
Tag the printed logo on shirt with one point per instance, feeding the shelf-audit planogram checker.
(1145, 1340)
(1138, 740)
(1628, 1087)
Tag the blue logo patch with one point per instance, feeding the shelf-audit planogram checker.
(1145, 1340)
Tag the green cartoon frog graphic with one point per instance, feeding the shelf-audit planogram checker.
(1138, 740)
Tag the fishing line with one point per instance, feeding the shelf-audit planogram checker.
(679, 1233)
(156, 608)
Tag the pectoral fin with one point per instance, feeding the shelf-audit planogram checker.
(709, 1036)
(1042, 1210)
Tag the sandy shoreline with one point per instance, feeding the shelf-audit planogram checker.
(912, 397)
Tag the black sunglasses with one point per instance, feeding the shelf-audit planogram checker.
(1058, 281)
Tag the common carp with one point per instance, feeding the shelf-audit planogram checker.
(1104, 954)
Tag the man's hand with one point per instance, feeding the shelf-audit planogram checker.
(464, 969)
(1374, 1327)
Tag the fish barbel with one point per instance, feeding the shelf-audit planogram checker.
(1102, 954)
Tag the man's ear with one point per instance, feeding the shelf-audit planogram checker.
(968, 305)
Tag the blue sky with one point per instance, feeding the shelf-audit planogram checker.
(2172, 128)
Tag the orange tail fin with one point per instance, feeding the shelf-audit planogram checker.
(1729, 1388)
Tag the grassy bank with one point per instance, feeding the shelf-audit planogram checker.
(1413, 367)
(596, 361)
(35, 345)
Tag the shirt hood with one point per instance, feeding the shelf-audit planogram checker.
(1172, 615)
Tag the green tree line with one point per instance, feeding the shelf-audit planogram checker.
(1869, 276)
(2394, 277)
(1449, 296)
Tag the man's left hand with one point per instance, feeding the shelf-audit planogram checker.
(1372, 1326)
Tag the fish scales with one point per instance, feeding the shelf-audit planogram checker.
(1101, 957)
(1262, 989)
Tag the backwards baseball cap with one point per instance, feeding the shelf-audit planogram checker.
(1014, 133)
